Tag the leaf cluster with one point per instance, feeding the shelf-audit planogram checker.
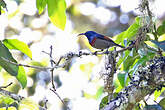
(141, 53)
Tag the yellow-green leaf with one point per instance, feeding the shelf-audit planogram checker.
(162, 103)
(9, 108)
(56, 12)
(157, 93)
(28, 104)
(6, 100)
(41, 4)
(21, 77)
(18, 45)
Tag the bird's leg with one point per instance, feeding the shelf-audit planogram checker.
(107, 52)
(95, 53)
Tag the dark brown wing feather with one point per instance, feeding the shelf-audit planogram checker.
(113, 43)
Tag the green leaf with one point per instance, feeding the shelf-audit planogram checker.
(162, 103)
(121, 78)
(4, 53)
(104, 102)
(9, 108)
(0, 68)
(21, 77)
(161, 29)
(3, 4)
(12, 69)
(27, 104)
(128, 62)
(159, 44)
(95, 96)
(133, 29)
(125, 55)
(41, 4)
(118, 86)
(130, 32)
(119, 38)
(18, 45)
(56, 12)
(99, 92)
(141, 61)
(5, 100)
(157, 93)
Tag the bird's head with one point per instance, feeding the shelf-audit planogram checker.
(89, 34)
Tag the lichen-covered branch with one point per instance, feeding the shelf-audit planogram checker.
(145, 81)
(108, 71)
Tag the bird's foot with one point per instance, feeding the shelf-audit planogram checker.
(95, 53)
(107, 52)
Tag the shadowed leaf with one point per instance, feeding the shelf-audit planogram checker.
(104, 102)
(4, 53)
(161, 29)
(159, 44)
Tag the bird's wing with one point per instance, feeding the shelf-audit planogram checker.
(110, 40)
(104, 38)
(107, 38)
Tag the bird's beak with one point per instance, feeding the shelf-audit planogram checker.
(81, 34)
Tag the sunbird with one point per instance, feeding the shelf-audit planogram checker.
(99, 41)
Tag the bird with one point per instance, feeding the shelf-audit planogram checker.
(99, 41)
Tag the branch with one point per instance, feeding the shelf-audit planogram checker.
(30, 66)
(52, 76)
(60, 98)
(10, 94)
(6, 85)
(107, 72)
(145, 81)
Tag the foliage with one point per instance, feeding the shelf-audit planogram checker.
(5, 54)
(18, 45)
(132, 59)
(11, 68)
(104, 102)
(27, 104)
(56, 11)
(2, 6)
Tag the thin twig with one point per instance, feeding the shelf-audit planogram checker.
(45, 104)
(6, 85)
(51, 58)
(59, 61)
(60, 99)
(51, 61)
(124, 49)
(30, 66)
(52, 79)
(45, 52)
(24, 65)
